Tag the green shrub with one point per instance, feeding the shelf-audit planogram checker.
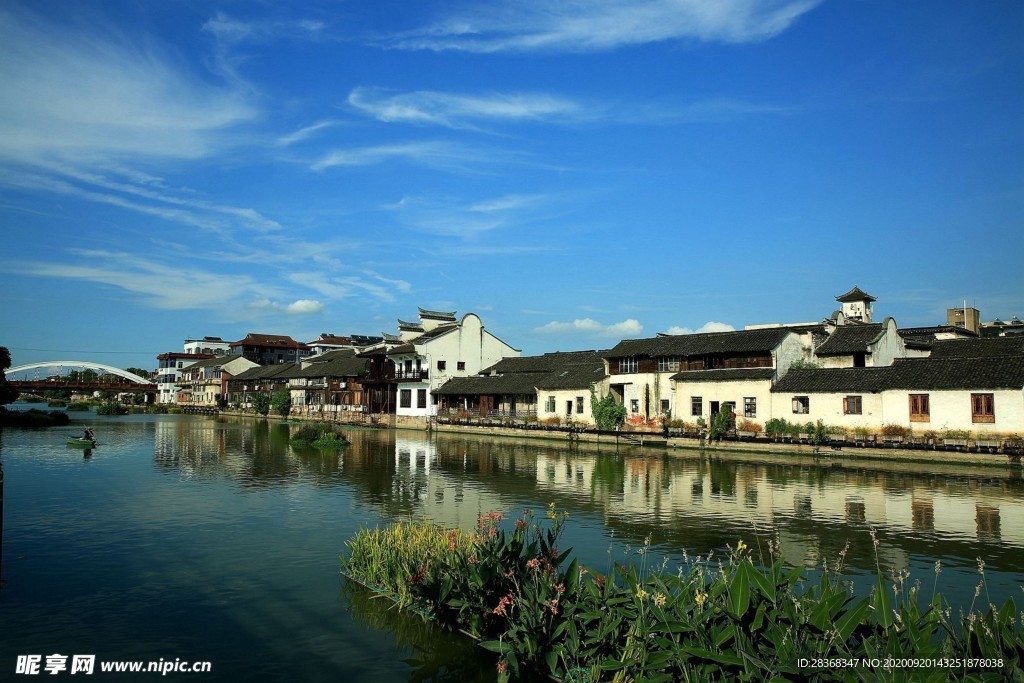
(33, 418)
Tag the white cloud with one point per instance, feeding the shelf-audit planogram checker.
(458, 111)
(304, 306)
(626, 328)
(578, 26)
(83, 95)
(710, 326)
(160, 285)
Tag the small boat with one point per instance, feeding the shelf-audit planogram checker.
(81, 443)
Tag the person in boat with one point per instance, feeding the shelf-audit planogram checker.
(88, 436)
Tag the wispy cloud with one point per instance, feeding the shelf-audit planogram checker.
(434, 154)
(306, 132)
(454, 110)
(166, 286)
(231, 30)
(594, 25)
(710, 326)
(627, 328)
(84, 96)
(449, 217)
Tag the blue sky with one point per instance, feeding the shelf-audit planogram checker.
(575, 173)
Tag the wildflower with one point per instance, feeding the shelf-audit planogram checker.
(533, 564)
(502, 667)
(521, 524)
(938, 567)
(559, 588)
(641, 593)
(741, 546)
(660, 599)
(503, 604)
(700, 598)
(551, 511)
(554, 606)
(981, 566)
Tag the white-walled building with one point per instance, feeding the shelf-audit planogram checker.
(982, 395)
(657, 377)
(437, 349)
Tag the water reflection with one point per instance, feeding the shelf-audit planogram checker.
(433, 654)
(809, 510)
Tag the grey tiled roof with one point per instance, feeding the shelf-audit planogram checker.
(515, 385)
(855, 294)
(573, 377)
(724, 374)
(924, 374)
(559, 370)
(545, 363)
(339, 367)
(436, 315)
(978, 348)
(266, 371)
(742, 341)
(850, 339)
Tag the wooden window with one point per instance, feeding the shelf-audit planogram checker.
(460, 365)
(629, 364)
(668, 363)
(579, 405)
(750, 406)
(853, 405)
(696, 405)
(665, 409)
(405, 398)
(421, 398)
(801, 405)
(550, 406)
(441, 365)
(983, 408)
(919, 408)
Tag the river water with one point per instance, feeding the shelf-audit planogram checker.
(198, 539)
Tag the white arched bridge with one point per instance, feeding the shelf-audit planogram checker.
(50, 375)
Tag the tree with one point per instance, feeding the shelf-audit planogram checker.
(281, 401)
(8, 394)
(260, 402)
(608, 413)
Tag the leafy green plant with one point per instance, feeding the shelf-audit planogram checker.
(739, 618)
(260, 403)
(319, 436)
(608, 413)
(281, 402)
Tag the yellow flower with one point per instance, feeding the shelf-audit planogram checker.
(641, 593)
(659, 599)
(741, 546)
(700, 598)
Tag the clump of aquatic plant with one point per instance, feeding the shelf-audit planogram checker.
(319, 436)
(713, 619)
(396, 559)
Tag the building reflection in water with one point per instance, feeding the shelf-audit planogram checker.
(680, 500)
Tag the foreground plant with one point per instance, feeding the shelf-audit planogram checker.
(711, 620)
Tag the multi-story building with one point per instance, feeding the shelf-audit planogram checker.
(169, 371)
(270, 349)
(204, 383)
(214, 346)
